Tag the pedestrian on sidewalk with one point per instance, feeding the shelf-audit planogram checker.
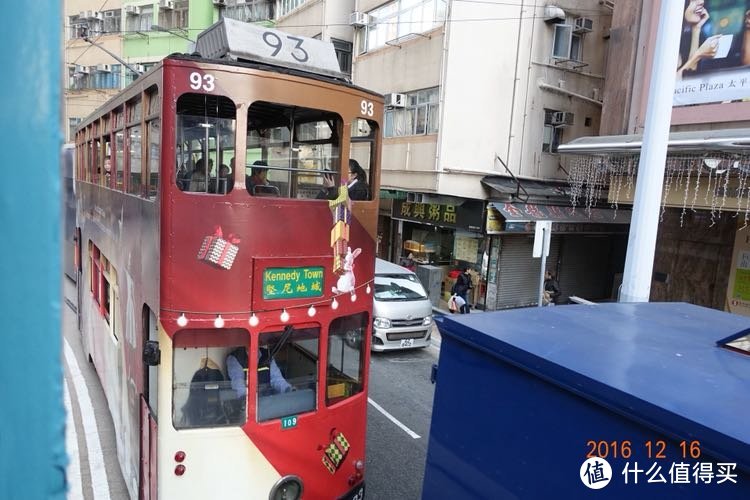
(461, 288)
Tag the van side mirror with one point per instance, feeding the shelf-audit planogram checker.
(151, 353)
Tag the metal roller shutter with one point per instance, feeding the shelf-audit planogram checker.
(584, 267)
(518, 272)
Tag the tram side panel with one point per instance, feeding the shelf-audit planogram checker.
(122, 232)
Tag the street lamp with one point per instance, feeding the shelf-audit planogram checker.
(171, 31)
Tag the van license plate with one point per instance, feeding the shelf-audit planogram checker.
(407, 343)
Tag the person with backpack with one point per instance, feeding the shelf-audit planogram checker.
(461, 288)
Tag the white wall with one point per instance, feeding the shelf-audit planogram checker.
(478, 86)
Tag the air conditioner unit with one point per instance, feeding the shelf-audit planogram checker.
(562, 118)
(166, 4)
(220, 3)
(104, 68)
(132, 10)
(359, 19)
(84, 70)
(395, 100)
(99, 16)
(583, 25)
(139, 68)
(553, 14)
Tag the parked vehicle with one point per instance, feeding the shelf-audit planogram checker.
(402, 312)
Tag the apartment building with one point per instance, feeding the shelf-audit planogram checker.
(479, 95)
(107, 44)
(702, 241)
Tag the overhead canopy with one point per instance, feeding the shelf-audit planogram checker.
(726, 140)
(525, 212)
(513, 188)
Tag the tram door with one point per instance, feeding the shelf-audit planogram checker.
(147, 488)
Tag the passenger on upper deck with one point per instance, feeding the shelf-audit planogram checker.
(357, 184)
(259, 177)
(199, 175)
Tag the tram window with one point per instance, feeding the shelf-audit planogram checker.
(287, 372)
(345, 372)
(153, 157)
(135, 160)
(364, 136)
(119, 159)
(203, 393)
(205, 141)
(299, 147)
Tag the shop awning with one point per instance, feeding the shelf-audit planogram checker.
(511, 189)
(526, 212)
(725, 140)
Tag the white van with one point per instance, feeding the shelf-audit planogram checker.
(401, 311)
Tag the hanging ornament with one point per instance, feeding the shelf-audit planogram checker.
(284, 316)
(253, 320)
(334, 303)
(219, 321)
(311, 312)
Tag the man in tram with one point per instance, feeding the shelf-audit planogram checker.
(270, 378)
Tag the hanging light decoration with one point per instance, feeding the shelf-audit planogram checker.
(334, 303)
(354, 297)
(253, 320)
(182, 321)
(368, 289)
(311, 312)
(284, 316)
(219, 321)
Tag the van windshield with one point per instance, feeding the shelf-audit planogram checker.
(398, 287)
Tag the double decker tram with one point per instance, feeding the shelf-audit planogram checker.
(225, 272)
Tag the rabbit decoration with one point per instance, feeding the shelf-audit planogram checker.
(347, 281)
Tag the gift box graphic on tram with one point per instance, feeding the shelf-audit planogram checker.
(219, 251)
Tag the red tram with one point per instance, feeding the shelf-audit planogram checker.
(224, 285)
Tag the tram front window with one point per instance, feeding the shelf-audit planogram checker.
(295, 147)
(287, 372)
(344, 376)
(209, 382)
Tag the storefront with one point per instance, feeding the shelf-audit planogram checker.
(701, 253)
(587, 252)
(441, 238)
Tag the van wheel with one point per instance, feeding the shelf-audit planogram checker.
(353, 338)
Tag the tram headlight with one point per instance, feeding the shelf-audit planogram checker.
(382, 323)
(286, 488)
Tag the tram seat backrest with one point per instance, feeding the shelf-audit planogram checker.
(197, 186)
(265, 190)
(203, 406)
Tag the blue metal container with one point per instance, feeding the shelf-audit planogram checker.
(523, 397)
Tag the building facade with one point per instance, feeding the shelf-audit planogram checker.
(106, 49)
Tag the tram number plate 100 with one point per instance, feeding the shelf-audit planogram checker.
(289, 422)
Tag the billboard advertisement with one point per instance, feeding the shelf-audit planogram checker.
(714, 60)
